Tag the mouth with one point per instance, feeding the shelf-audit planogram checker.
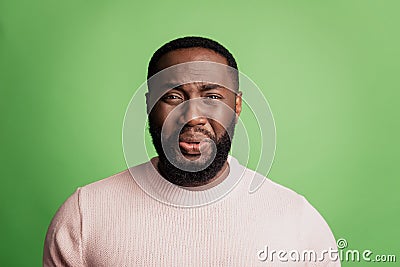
(190, 147)
(193, 146)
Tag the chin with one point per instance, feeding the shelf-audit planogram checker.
(192, 162)
(186, 170)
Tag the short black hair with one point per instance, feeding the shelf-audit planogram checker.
(189, 42)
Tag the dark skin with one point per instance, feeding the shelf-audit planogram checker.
(192, 116)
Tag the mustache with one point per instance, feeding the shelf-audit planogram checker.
(191, 129)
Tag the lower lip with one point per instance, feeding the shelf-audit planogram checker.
(190, 148)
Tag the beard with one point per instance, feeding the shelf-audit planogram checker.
(177, 171)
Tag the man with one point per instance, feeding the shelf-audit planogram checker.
(189, 206)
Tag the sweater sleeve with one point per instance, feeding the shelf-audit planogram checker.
(319, 238)
(63, 244)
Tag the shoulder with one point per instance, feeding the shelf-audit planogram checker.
(118, 184)
(102, 195)
(272, 193)
(118, 179)
(111, 185)
(283, 201)
(292, 206)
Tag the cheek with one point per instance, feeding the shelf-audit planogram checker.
(220, 127)
(222, 119)
(159, 115)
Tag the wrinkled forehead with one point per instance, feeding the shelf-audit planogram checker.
(204, 72)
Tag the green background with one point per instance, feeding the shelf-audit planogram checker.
(330, 71)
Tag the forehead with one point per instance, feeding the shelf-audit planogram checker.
(198, 73)
(188, 65)
(184, 55)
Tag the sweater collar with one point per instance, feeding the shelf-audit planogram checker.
(150, 181)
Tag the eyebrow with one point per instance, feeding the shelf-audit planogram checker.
(204, 87)
(210, 86)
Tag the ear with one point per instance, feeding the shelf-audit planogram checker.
(238, 105)
(147, 102)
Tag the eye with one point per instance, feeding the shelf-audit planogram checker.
(172, 98)
(214, 97)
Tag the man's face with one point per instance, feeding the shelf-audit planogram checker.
(196, 120)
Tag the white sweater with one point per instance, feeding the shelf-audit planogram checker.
(116, 222)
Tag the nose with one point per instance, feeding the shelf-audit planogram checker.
(192, 114)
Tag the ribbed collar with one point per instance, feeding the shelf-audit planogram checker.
(149, 180)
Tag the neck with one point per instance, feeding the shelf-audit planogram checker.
(197, 186)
